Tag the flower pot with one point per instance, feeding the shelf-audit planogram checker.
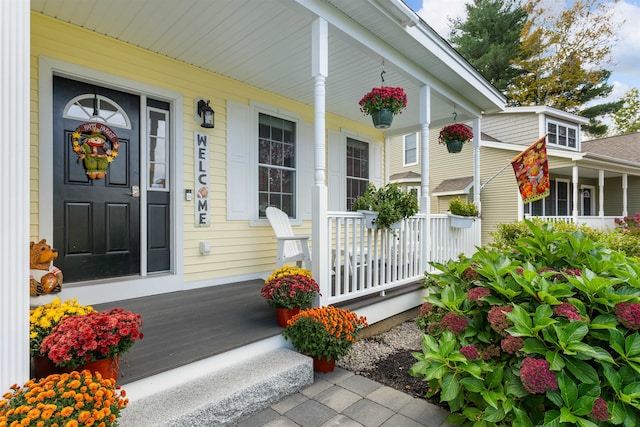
(284, 314)
(382, 118)
(459, 221)
(108, 368)
(323, 365)
(370, 219)
(454, 146)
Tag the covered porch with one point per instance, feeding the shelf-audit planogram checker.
(305, 57)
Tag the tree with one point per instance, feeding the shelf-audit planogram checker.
(489, 38)
(561, 55)
(627, 118)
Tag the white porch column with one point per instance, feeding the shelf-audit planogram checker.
(425, 194)
(14, 190)
(625, 183)
(601, 192)
(477, 131)
(574, 181)
(320, 229)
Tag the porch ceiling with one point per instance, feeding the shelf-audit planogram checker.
(275, 54)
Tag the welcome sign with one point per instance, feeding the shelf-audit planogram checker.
(201, 178)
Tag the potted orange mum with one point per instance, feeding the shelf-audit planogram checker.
(324, 333)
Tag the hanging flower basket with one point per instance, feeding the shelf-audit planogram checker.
(455, 136)
(382, 103)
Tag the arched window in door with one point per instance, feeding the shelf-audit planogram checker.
(87, 107)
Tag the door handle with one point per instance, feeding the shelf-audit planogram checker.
(135, 191)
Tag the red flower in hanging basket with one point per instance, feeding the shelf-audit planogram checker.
(385, 97)
(454, 132)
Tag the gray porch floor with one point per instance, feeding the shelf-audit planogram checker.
(183, 327)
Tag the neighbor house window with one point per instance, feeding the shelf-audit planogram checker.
(158, 160)
(562, 135)
(410, 149)
(558, 203)
(276, 164)
(357, 169)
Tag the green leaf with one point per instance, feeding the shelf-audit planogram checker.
(522, 419)
(574, 332)
(582, 370)
(474, 385)
(494, 379)
(552, 419)
(555, 397)
(533, 345)
(556, 362)
(492, 398)
(604, 321)
(568, 389)
(566, 416)
(450, 387)
(494, 415)
(593, 352)
(616, 341)
(632, 390)
(584, 405)
(632, 345)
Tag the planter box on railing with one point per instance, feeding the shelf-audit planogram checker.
(370, 221)
(459, 221)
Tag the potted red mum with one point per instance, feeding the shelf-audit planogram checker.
(288, 290)
(454, 136)
(382, 103)
(92, 341)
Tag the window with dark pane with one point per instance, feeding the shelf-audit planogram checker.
(357, 169)
(276, 164)
(410, 149)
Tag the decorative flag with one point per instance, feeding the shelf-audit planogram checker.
(532, 171)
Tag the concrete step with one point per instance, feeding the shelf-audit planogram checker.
(220, 396)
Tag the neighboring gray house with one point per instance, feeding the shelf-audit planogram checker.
(592, 182)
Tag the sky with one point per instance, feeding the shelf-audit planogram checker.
(625, 64)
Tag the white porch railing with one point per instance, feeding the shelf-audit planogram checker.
(365, 261)
(598, 222)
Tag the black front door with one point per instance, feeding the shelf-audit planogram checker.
(96, 222)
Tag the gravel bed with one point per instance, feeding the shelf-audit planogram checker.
(365, 354)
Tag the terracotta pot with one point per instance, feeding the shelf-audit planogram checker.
(382, 118)
(108, 368)
(323, 365)
(284, 314)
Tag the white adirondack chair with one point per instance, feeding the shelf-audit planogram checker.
(290, 247)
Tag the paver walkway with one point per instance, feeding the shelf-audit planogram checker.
(341, 398)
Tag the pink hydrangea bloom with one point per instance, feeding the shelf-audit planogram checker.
(567, 310)
(474, 294)
(600, 411)
(498, 319)
(511, 345)
(454, 322)
(536, 376)
(470, 352)
(628, 314)
(490, 352)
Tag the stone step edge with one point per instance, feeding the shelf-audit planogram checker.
(224, 396)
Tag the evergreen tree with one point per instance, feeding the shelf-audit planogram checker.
(489, 38)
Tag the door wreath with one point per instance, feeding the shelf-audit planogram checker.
(96, 145)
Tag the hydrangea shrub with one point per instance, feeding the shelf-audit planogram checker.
(542, 333)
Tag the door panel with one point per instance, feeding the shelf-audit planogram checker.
(96, 222)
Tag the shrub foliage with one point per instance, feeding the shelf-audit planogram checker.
(541, 333)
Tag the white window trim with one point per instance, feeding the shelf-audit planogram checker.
(71, 103)
(567, 126)
(167, 151)
(404, 150)
(256, 109)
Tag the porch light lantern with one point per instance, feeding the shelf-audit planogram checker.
(206, 113)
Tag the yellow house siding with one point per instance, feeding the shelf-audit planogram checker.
(236, 247)
(500, 197)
